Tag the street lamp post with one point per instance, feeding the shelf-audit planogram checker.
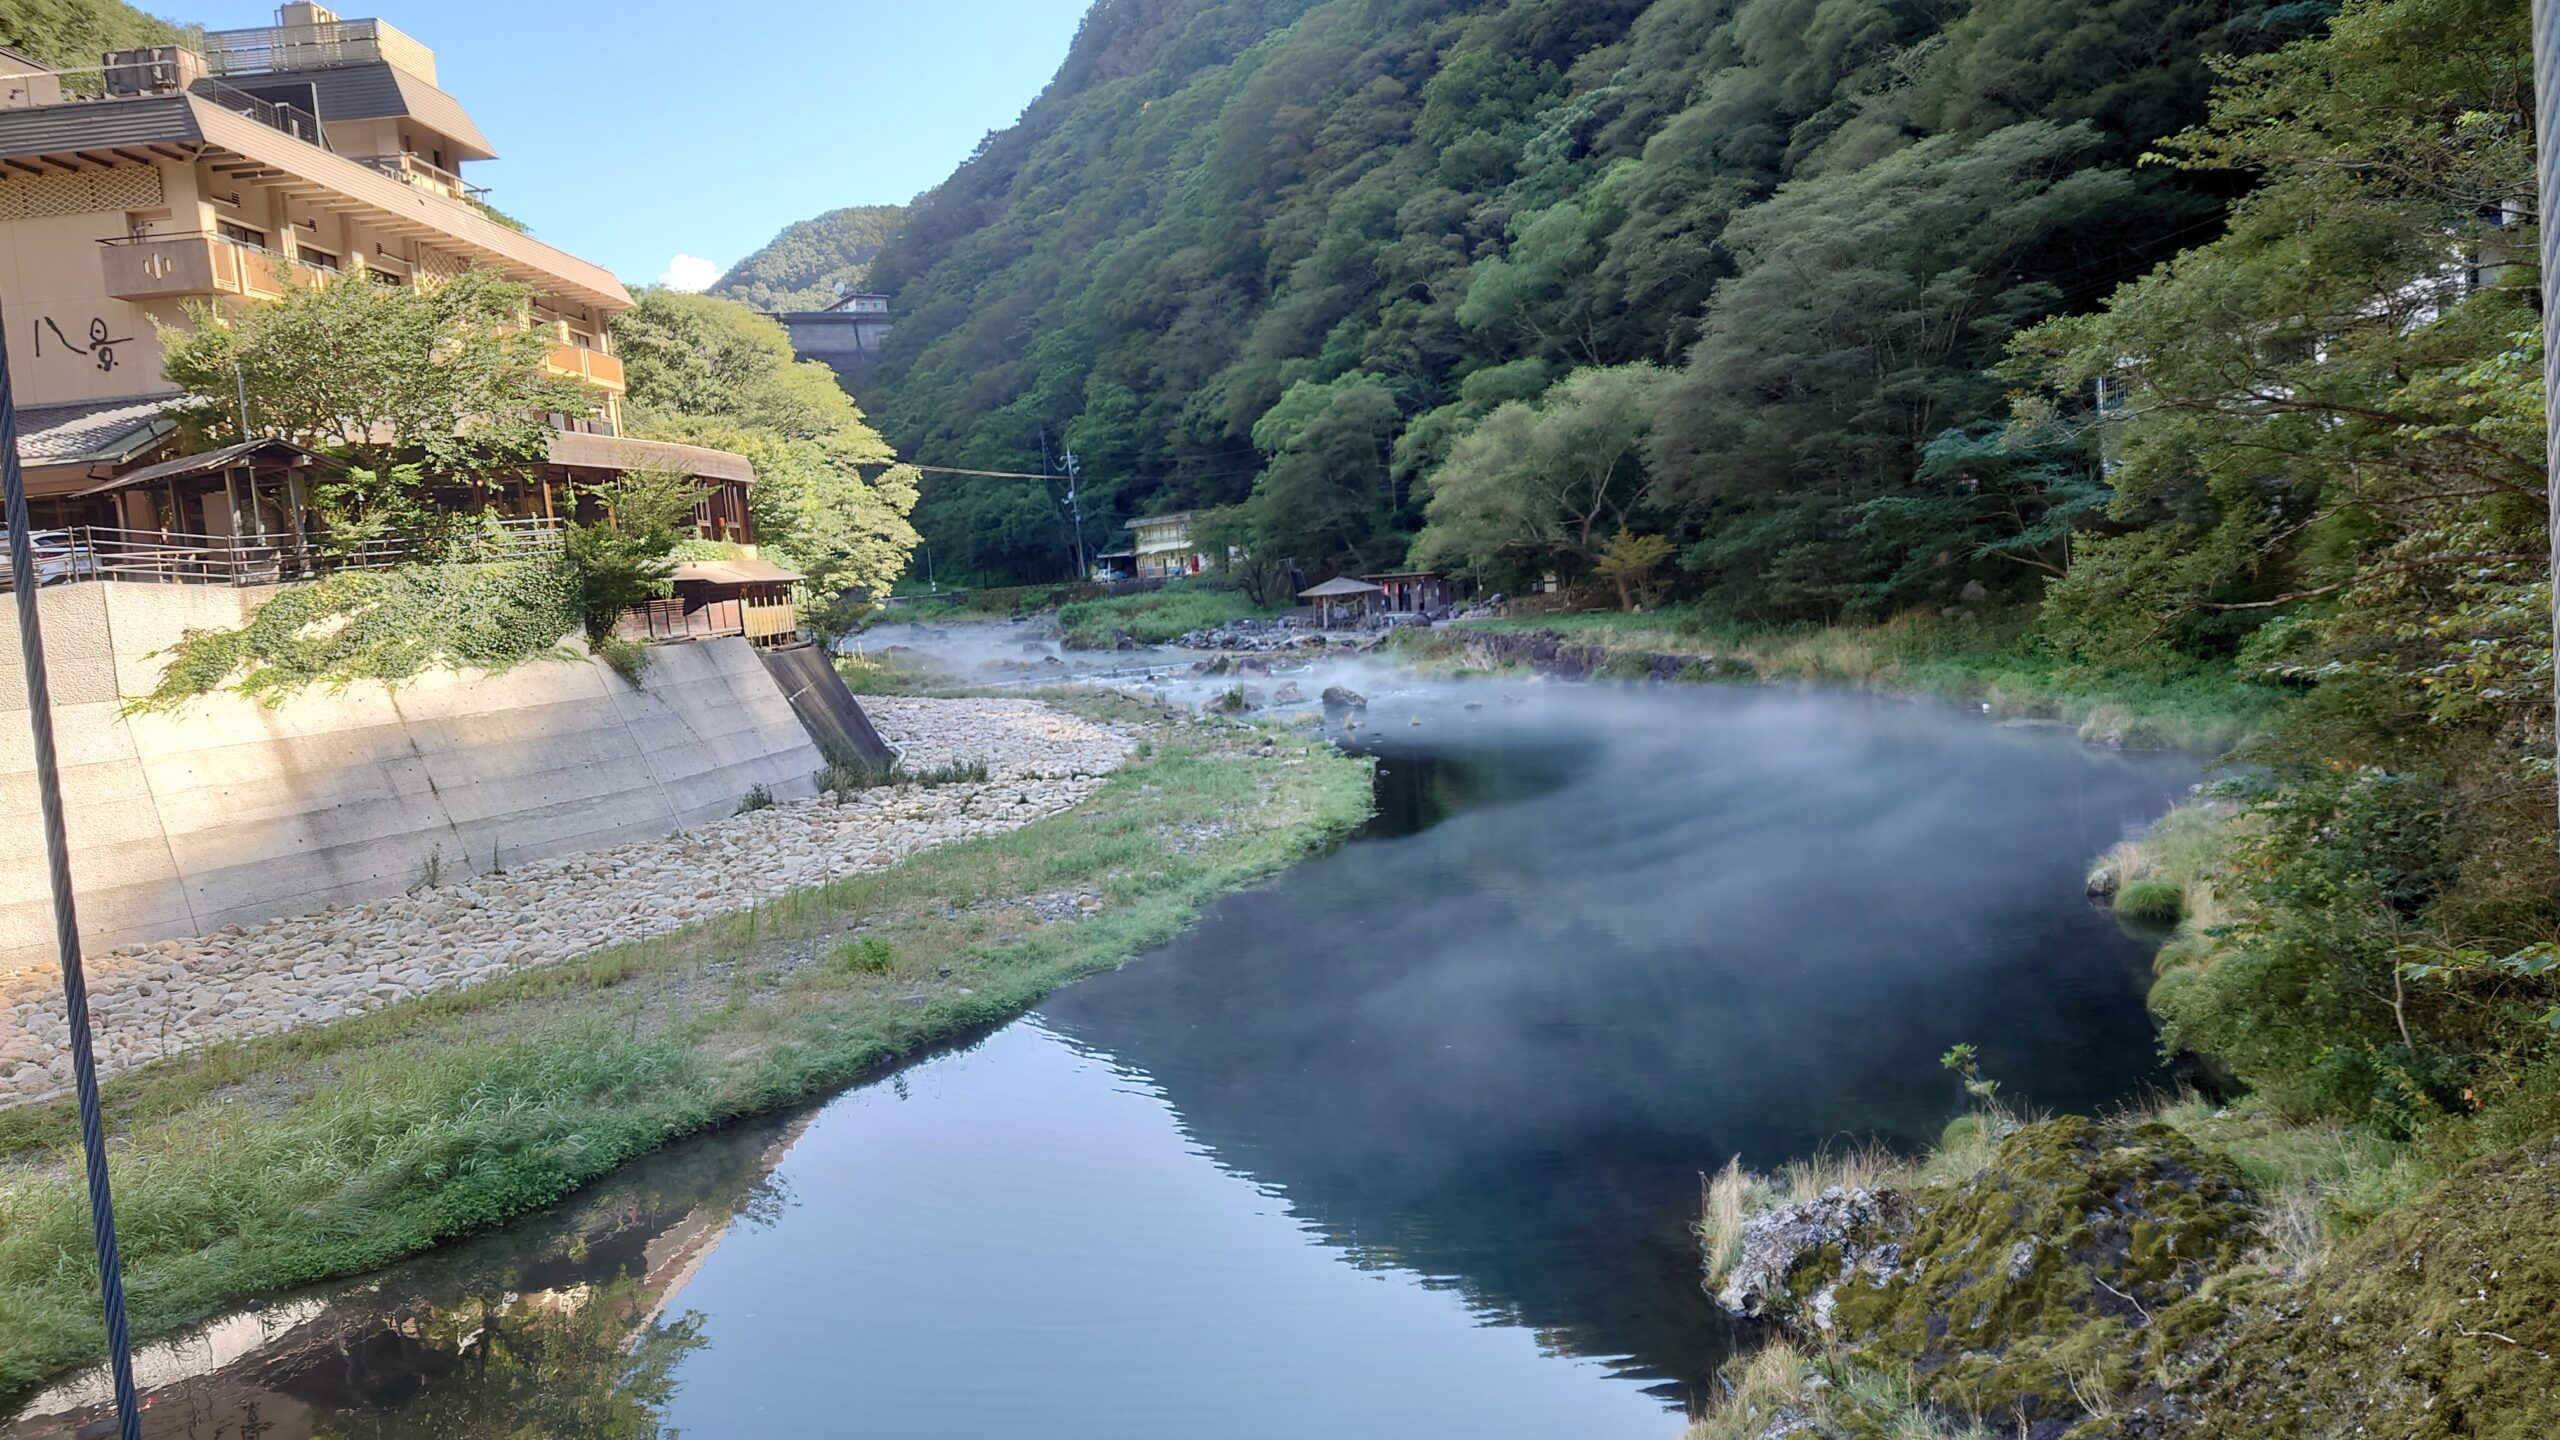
(24, 581)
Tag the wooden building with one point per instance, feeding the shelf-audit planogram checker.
(1343, 601)
(749, 597)
(1415, 592)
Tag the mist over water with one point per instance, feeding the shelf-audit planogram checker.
(1408, 1140)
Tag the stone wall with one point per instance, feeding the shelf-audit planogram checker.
(229, 811)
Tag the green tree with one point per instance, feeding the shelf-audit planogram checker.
(2324, 432)
(830, 496)
(629, 556)
(1550, 482)
(1866, 312)
(443, 382)
(1325, 496)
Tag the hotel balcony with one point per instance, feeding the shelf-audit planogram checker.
(593, 366)
(268, 49)
(410, 170)
(162, 267)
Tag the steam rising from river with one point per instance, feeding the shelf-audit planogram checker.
(1596, 941)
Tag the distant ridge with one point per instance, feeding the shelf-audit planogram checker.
(803, 267)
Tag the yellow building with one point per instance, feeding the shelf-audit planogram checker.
(1164, 549)
(276, 156)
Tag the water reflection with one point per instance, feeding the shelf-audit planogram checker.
(556, 1327)
(1646, 933)
(1407, 1141)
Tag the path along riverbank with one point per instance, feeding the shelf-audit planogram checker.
(152, 1002)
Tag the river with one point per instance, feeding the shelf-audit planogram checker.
(1407, 1141)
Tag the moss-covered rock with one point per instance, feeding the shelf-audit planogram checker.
(2022, 1293)
(2028, 1295)
(2441, 1319)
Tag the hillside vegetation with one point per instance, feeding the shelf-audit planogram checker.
(74, 33)
(1804, 311)
(1288, 254)
(2184, 345)
(812, 261)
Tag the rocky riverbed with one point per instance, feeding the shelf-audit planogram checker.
(150, 1001)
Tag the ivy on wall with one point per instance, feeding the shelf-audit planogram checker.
(384, 625)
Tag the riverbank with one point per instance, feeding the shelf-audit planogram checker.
(1990, 659)
(2184, 1270)
(2268, 1266)
(254, 1165)
(2180, 1270)
(154, 1002)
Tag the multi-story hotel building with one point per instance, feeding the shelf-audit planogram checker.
(271, 157)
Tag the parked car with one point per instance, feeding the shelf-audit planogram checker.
(58, 558)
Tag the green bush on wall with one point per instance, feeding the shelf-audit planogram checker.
(385, 625)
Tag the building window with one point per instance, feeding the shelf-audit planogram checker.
(239, 234)
(385, 277)
(316, 259)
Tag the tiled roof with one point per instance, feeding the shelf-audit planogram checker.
(90, 429)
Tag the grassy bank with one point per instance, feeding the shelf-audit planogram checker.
(250, 1167)
(1153, 618)
(1994, 661)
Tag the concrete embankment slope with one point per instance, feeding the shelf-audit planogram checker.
(228, 811)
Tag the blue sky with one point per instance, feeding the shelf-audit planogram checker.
(631, 133)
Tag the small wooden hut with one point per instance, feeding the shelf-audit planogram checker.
(742, 596)
(1342, 600)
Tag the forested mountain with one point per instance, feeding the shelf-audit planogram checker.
(73, 33)
(1283, 253)
(812, 261)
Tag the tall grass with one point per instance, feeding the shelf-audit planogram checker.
(1827, 1394)
(1153, 618)
(2179, 870)
(1996, 661)
(279, 1161)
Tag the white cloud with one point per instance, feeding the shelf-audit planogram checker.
(689, 272)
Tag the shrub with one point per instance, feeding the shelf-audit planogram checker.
(2151, 899)
(865, 956)
(629, 659)
(628, 557)
(758, 797)
(846, 773)
(386, 625)
(1150, 619)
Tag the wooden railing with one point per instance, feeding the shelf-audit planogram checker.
(593, 366)
(98, 552)
(198, 262)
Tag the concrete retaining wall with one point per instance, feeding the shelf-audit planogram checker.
(228, 811)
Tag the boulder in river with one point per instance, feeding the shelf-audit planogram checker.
(1343, 697)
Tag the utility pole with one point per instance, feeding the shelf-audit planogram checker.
(24, 580)
(1075, 508)
(2546, 144)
